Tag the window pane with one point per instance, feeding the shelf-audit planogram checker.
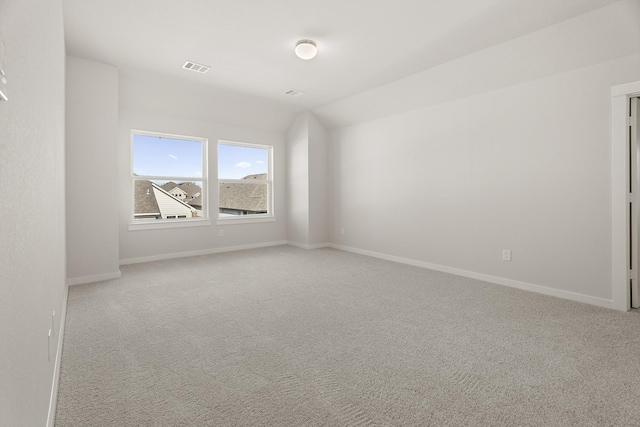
(243, 199)
(236, 162)
(163, 156)
(167, 199)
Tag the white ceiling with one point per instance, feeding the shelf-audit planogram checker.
(249, 43)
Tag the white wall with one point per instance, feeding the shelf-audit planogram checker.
(524, 167)
(298, 180)
(32, 253)
(91, 168)
(602, 35)
(166, 96)
(318, 182)
(136, 98)
(307, 182)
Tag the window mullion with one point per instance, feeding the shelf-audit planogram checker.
(156, 204)
(245, 199)
(168, 178)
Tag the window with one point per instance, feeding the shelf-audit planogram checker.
(245, 183)
(169, 175)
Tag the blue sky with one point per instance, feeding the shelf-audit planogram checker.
(157, 156)
(153, 155)
(237, 162)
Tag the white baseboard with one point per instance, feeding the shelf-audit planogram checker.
(53, 399)
(573, 296)
(304, 246)
(95, 278)
(202, 252)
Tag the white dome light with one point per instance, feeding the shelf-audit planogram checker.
(306, 49)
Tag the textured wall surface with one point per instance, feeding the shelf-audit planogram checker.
(298, 180)
(91, 165)
(525, 166)
(32, 190)
(599, 36)
(318, 182)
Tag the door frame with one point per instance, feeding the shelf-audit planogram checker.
(620, 217)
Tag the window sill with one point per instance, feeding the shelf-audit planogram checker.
(167, 223)
(244, 219)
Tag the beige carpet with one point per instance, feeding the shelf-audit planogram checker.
(287, 337)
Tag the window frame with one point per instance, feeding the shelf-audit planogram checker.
(146, 224)
(270, 216)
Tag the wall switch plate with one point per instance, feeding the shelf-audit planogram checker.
(506, 255)
(221, 232)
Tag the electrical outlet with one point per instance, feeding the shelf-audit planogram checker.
(221, 232)
(506, 255)
(341, 230)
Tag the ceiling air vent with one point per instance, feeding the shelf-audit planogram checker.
(294, 93)
(199, 68)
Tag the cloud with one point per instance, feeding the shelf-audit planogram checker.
(173, 157)
(260, 162)
(243, 165)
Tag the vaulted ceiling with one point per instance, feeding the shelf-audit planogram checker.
(249, 43)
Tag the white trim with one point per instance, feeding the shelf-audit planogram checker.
(167, 223)
(169, 135)
(626, 89)
(166, 178)
(600, 302)
(204, 179)
(244, 219)
(202, 252)
(619, 189)
(95, 278)
(242, 144)
(243, 181)
(271, 208)
(305, 246)
(53, 398)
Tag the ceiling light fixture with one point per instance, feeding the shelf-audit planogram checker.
(306, 49)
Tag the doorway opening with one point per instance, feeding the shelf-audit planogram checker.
(625, 196)
(634, 200)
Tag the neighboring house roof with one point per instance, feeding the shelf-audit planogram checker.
(260, 176)
(190, 188)
(169, 186)
(193, 192)
(245, 197)
(237, 196)
(145, 199)
(169, 194)
(196, 201)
